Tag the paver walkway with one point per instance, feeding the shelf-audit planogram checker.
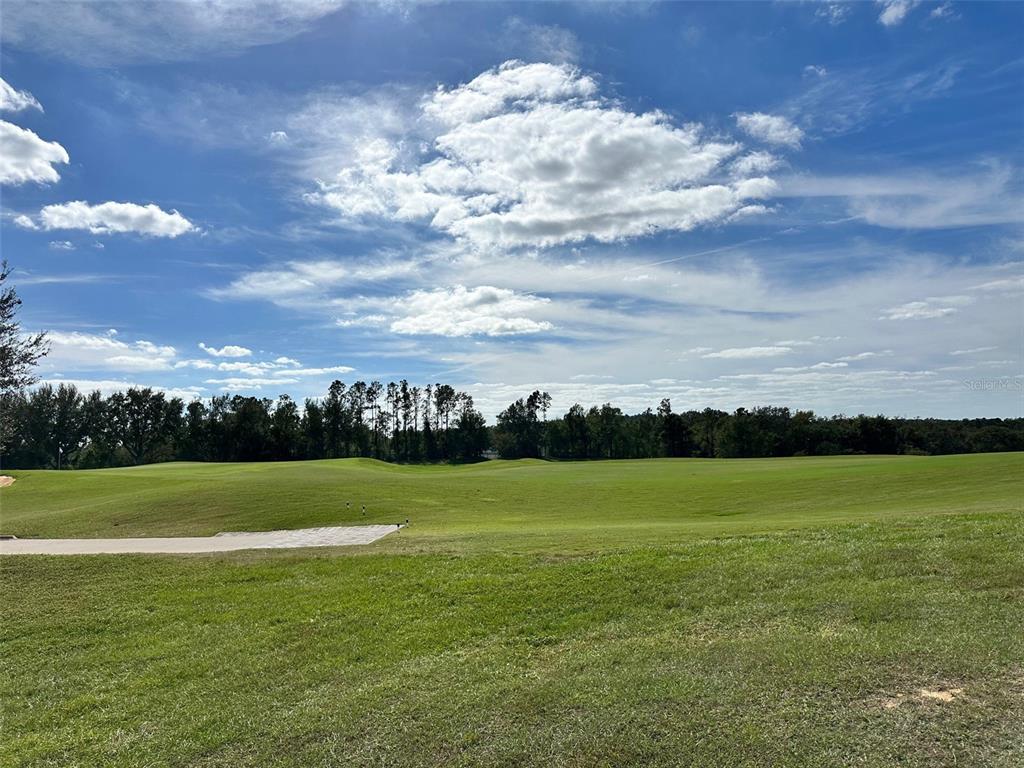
(223, 542)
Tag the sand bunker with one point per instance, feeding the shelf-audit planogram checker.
(6, 480)
(222, 542)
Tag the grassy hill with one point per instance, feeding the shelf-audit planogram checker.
(792, 612)
(514, 504)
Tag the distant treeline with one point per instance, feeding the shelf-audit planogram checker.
(395, 422)
(50, 427)
(605, 432)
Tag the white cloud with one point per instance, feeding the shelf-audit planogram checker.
(235, 384)
(972, 350)
(532, 154)
(851, 98)
(540, 42)
(833, 13)
(298, 280)
(13, 100)
(865, 355)
(281, 368)
(1007, 285)
(823, 366)
(228, 350)
(62, 245)
(107, 33)
(363, 321)
(25, 157)
(754, 163)
(315, 371)
(918, 200)
(460, 311)
(894, 11)
(86, 351)
(110, 386)
(773, 129)
(943, 11)
(926, 310)
(815, 70)
(107, 218)
(746, 353)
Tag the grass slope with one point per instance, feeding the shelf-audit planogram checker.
(744, 613)
(510, 504)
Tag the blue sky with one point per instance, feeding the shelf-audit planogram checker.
(807, 204)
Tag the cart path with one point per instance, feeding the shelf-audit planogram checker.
(342, 536)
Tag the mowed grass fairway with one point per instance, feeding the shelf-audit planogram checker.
(663, 612)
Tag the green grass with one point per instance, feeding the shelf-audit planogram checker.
(704, 613)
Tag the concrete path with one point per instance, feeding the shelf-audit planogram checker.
(222, 542)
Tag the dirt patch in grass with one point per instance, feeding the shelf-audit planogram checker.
(923, 696)
(6, 480)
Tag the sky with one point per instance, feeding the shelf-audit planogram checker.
(808, 204)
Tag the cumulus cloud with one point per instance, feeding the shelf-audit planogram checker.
(457, 311)
(107, 218)
(772, 129)
(461, 311)
(87, 351)
(25, 157)
(228, 350)
(533, 155)
(13, 100)
(62, 245)
(894, 11)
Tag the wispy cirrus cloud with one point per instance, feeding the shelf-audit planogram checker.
(921, 200)
(894, 11)
(748, 353)
(106, 33)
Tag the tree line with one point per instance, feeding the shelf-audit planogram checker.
(61, 427)
(605, 432)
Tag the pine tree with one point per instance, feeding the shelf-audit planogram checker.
(18, 355)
